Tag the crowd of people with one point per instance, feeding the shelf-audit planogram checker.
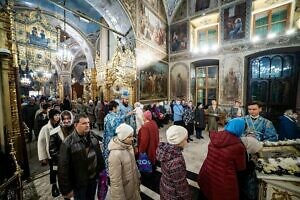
(77, 156)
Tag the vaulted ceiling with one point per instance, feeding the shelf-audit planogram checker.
(171, 6)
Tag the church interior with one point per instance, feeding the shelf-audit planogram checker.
(151, 51)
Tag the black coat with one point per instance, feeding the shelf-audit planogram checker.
(199, 118)
(56, 138)
(73, 163)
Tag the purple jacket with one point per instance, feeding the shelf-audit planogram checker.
(173, 182)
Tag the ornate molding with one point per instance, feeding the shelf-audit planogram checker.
(130, 7)
(282, 41)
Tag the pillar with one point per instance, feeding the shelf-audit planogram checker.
(10, 115)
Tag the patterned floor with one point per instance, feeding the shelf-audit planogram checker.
(194, 154)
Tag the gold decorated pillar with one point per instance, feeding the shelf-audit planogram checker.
(10, 111)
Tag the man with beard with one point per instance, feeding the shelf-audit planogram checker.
(126, 110)
(57, 136)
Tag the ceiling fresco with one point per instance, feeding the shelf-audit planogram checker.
(86, 27)
(171, 6)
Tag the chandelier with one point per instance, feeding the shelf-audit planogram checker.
(25, 78)
(63, 54)
(25, 81)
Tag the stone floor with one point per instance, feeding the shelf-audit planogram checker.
(194, 154)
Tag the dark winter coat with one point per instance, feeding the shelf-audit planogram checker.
(173, 182)
(199, 118)
(288, 128)
(73, 166)
(218, 175)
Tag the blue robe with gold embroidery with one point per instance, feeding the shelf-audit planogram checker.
(262, 128)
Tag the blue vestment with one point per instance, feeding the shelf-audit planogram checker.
(262, 128)
(111, 121)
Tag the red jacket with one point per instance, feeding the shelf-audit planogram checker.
(148, 139)
(218, 175)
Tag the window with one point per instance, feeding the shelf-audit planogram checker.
(206, 83)
(207, 37)
(271, 21)
(277, 66)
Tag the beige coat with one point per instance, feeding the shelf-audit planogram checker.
(123, 172)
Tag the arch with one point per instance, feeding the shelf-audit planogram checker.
(113, 12)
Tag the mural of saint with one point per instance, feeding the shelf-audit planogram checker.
(234, 22)
(179, 86)
(179, 37)
(231, 86)
(236, 28)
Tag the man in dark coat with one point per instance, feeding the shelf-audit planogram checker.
(80, 161)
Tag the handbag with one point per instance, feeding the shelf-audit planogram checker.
(102, 185)
(144, 163)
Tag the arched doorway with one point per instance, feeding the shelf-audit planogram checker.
(273, 80)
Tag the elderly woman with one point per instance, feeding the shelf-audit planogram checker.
(226, 156)
(148, 139)
(123, 172)
(173, 182)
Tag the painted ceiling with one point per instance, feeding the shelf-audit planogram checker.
(171, 6)
(76, 5)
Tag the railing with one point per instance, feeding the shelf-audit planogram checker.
(12, 189)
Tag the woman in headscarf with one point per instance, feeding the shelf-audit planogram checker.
(226, 156)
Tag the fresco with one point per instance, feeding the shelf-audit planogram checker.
(78, 5)
(231, 79)
(158, 6)
(179, 37)
(153, 82)
(234, 22)
(170, 6)
(181, 12)
(151, 27)
(179, 81)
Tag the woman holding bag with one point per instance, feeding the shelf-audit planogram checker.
(148, 139)
(123, 172)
